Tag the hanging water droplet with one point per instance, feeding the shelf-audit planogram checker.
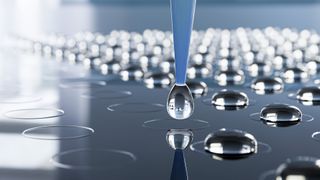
(158, 80)
(267, 85)
(279, 115)
(132, 72)
(310, 94)
(230, 144)
(199, 71)
(259, 69)
(301, 168)
(235, 77)
(295, 74)
(180, 103)
(197, 88)
(179, 138)
(229, 100)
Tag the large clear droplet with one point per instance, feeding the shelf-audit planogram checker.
(230, 144)
(280, 115)
(197, 88)
(158, 80)
(267, 85)
(311, 94)
(229, 100)
(301, 168)
(232, 77)
(179, 138)
(180, 103)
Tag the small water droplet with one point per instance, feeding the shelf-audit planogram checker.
(295, 74)
(197, 88)
(306, 168)
(229, 100)
(199, 71)
(180, 103)
(259, 69)
(267, 85)
(179, 138)
(309, 94)
(230, 144)
(132, 72)
(280, 115)
(111, 67)
(230, 76)
(158, 80)
(167, 66)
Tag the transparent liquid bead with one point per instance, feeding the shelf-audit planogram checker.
(295, 74)
(132, 72)
(232, 77)
(259, 69)
(180, 103)
(229, 100)
(267, 85)
(197, 88)
(179, 138)
(311, 94)
(158, 80)
(304, 168)
(111, 67)
(230, 144)
(199, 71)
(167, 66)
(280, 115)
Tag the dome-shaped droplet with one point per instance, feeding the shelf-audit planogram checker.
(230, 76)
(158, 80)
(228, 63)
(259, 69)
(311, 94)
(230, 144)
(267, 85)
(301, 168)
(132, 72)
(180, 103)
(280, 115)
(179, 138)
(313, 67)
(292, 75)
(197, 88)
(199, 71)
(167, 66)
(229, 100)
(111, 67)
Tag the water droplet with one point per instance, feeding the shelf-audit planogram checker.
(158, 80)
(199, 71)
(229, 63)
(232, 77)
(104, 159)
(229, 100)
(132, 72)
(267, 85)
(304, 168)
(309, 94)
(230, 144)
(167, 66)
(259, 69)
(197, 88)
(295, 74)
(111, 67)
(280, 115)
(180, 103)
(36, 113)
(179, 138)
(57, 132)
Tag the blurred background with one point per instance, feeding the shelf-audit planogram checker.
(69, 16)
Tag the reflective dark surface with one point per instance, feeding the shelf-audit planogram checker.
(121, 148)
